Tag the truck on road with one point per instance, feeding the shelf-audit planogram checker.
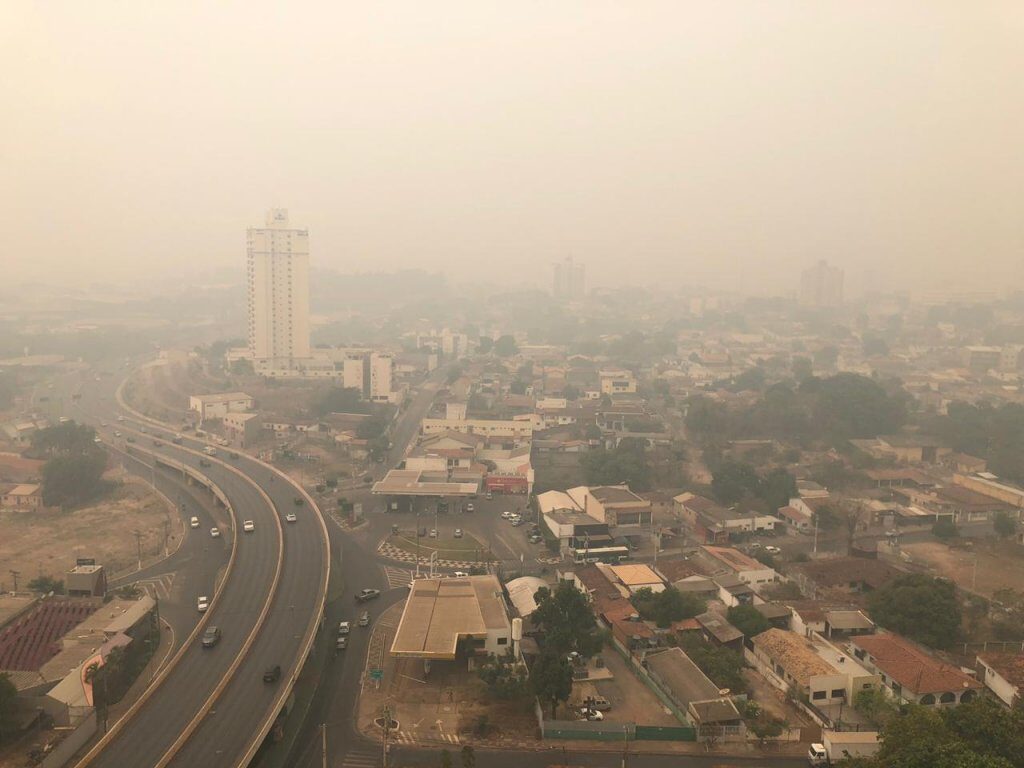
(838, 745)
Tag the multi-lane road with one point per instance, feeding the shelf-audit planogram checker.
(211, 707)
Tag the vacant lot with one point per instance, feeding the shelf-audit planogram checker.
(48, 543)
(1000, 564)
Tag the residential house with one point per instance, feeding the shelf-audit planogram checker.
(841, 574)
(690, 690)
(216, 406)
(743, 566)
(714, 524)
(1003, 674)
(718, 631)
(825, 674)
(615, 505)
(911, 674)
(23, 497)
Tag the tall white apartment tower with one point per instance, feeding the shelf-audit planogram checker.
(278, 278)
(570, 280)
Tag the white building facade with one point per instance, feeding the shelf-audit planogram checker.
(278, 292)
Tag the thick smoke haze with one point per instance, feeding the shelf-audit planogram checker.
(729, 144)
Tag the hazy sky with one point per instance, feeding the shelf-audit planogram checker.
(657, 141)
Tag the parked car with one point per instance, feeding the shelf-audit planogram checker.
(536, 538)
(598, 703)
(193, 522)
(489, 496)
(508, 514)
(202, 603)
(457, 533)
(591, 714)
(211, 637)
(215, 533)
(364, 619)
(772, 549)
(433, 533)
(469, 507)
(272, 674)
(516, 521)
(367, 594)
(248, 526)
(460, 574)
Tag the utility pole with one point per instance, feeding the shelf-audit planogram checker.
(323, 743)
(167, 528)
(815, 533)
(138, 544)
(15, 575)
(387, 731)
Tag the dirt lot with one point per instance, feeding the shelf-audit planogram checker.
(632, 701)
(1000, 565)
(48, 543)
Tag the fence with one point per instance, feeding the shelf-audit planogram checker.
(584, 730)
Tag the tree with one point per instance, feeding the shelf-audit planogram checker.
(875, 706)
(8, 707)
(504, 677)
(667, 606)
(485, 345)
(766, 728)
(920, 607)
(626, 463)
(242, 367)
(945, 529)
(723, 666)
(733, 480)
(371, 427)
(747, 619)
(468, 757)
(446, 759)
(340, 400)
(47, 584)
(777, 488)
(69, 438)
(1004, 525)
(505, 346)
(551, 679)
(567, 621)
(74, 478)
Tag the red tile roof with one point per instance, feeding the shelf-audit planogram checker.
(911, 667)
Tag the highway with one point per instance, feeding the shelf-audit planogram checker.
(273, 593)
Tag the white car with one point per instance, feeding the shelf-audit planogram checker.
(215, 533)
(508, 514)
(202, 603)
(193, 522)
(772, 550)
(248, 526)
(460, 574)
(591, 714)
(290, 517)
(344, 628)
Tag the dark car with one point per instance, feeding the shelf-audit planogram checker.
(272, 674)
(367, 594)
(364, 620)
(211, 637)
(204, 463)
(299, 501)
(233, 455)
(341, 644)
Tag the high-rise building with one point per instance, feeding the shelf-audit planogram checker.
(570, 280)
(278, 278)
(821, 286)
(381, 369)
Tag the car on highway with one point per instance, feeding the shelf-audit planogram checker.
(344, 628)
(299, 501)
(364, 619)
(120, 418)
(233, 455)
(193, 522)
(177, 439)
(469, 507)
(210, 450)
(516, 521)
(248, 526)
(488, 495)
(433, 533)
(341, 644)
(367, 594)
(97, 439)
(290, 517)
(215, 533)
(204, 463)
(508, 514)
(457, 533)
(129, 439)
(272, 674)
(202, 603)
(211, 637)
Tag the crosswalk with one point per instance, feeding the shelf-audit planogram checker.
(397, 577)
(418, 737)
(360, 758)
(157, 587)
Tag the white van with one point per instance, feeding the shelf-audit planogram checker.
(210, 450)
